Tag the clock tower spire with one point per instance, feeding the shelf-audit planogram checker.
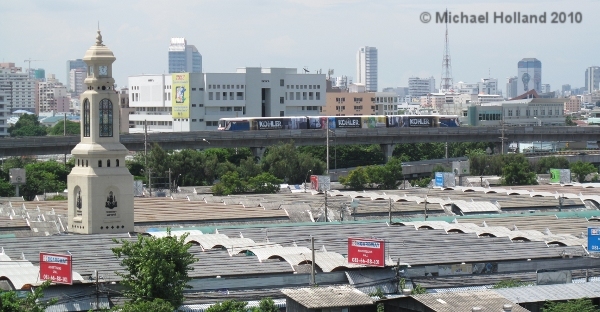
(100, 187)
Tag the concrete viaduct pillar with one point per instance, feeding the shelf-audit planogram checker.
(388, 150)
(258, 152)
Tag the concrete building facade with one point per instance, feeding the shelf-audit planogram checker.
(524, 112)
(20, 90)
(366, 68)
(511, 87)
(76, 78)
(529, 75)
(74, 64)
(4, 112)
(184, 58)
(360, 104)
(573, 104)
(420, 86)
(249, 92)
(52, 96)
(592, 78)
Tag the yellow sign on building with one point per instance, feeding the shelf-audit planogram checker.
(180, 97)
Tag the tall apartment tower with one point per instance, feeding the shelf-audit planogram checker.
(184, 58)
(511, 87)
(366, 68)
(592, 78)
(100, 187)
(530, 75)
(77, 64)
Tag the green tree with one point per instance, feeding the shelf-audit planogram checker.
(510, 283)
(544, 164)
(44, 176)
(156, 305)
(159, 161)
(248, 168)
(73, 128)
(419, 290)
(10, 302)
(517, 171)
(577, 305)
(230, 184)
(423, 182)
(439, 168)
(27, 125)
(156, 267)
(285, 162)
(582, 169)
(356, 179)
(569, 121)
(264, 183)
(228, 306)
(266, 305)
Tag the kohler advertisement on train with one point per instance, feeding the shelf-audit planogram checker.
(347, 122)
(420, 122)
(279, 123)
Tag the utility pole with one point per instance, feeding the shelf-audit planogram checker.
(97, 293)
(312, 271)
(65, 134)
(327, 138)
(325, 205)
(170, 185)
(390, 213)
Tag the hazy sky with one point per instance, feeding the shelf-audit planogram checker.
(318, 34)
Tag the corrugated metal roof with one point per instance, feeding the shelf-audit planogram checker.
(487, 300)
(328, 297)
(551, 292)
(478, 206)
(368, 281)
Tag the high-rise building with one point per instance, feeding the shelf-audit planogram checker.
(52, 96)
(592, 78)
(74, 64)
(488, 86)
(19, 89)
(546, 88)
(76, 78)
(184, 58)
(366, 68)
(421, 86)
(511, 87)
(530, 75)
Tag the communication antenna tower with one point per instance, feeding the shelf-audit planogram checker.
(446, 82)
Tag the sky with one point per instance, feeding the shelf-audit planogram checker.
(316, 34)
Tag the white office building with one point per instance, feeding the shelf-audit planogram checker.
(592, 78)
(205, 98)
(4, 112)
(20, 90)
(418, 87)
(366, 68)
(183, 57)
(511, 87)
(530, 75)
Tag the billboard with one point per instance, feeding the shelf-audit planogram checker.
(411, 121)
(291, 123)
(57, 268)
(594, 239)
(373, 121)
(320, 183)
(17, 176)
(180, 98)
(366, 251)
(562, 176)
(347, 122)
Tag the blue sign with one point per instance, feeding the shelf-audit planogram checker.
(439, 179)
(594, 239)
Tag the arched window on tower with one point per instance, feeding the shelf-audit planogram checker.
(86, 118)
(99, 163)
(106, 118)
(108, 163)
(117, 163)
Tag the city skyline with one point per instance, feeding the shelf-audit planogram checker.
(304, 34)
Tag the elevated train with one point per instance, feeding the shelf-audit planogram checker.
(337, 122)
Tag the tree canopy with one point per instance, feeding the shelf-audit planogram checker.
(517, 171)
(10, 302)
(578, 305)
(156, 267)
(27, 125)
(73, 128)
(388, 176)
(265, 305)
(582, 169)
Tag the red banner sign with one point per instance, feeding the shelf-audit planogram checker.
(366, 251)
(57, 268)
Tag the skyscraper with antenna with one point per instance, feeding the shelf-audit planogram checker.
(446, 81)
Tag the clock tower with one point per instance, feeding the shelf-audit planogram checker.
(100, 186)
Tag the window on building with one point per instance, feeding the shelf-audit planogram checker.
(210, 96)
(99, 163)
(527, 113)
(550, 112)
(193, 105)
(237, 109)
(281, 113)
(281, 100)
(193, 89)
(86, 118)
(117, 163)
(535, 112)
(318, 95)
(224, 96)
(106, 118)
(281, 83)
(240, 96)
(510, 112)
(310, 96)
(229, 108)
(108, 163)
(543, 112)
(518, 112)
(218, 95)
